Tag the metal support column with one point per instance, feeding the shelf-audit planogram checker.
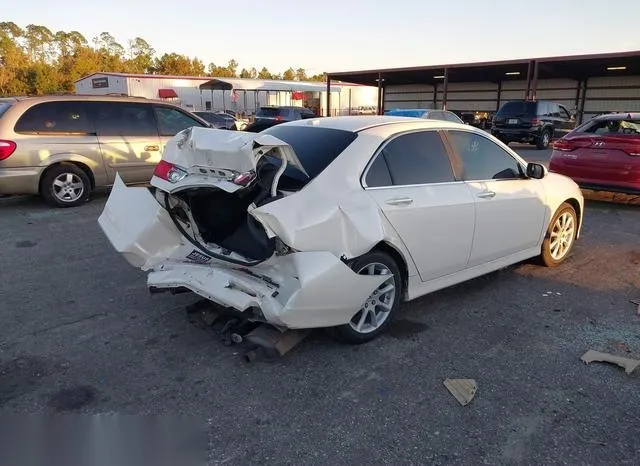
(379, 112)
(534, 82)
(435, 95)
(328, 96)
(349, 101)
(499, 95)
(527, 93)
(583, 100)
(446, 89)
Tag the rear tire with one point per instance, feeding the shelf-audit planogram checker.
(65, 185)
(544, 139)
(379, 308)
(560, 237)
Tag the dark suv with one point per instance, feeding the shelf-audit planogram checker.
(533, 122)
(284, 113)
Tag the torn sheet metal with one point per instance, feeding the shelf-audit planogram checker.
(299, 299)
(213, 157)
(629, 365)
(462, 389)
(138, 227)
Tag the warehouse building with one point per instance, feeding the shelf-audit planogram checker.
(587, 84)
(239, 95)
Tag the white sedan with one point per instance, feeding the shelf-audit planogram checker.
(333, 222)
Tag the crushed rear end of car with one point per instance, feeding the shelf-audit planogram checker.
(217, 223)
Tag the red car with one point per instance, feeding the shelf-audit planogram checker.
(603, 153)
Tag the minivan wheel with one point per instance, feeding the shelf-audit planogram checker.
(65, 185)
(544, 139)
(379, 308)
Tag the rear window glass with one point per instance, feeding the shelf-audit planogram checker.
(4, 106)
(268, 112)
(56, 117)
(517, 108)
(315, 147)
(612, 126)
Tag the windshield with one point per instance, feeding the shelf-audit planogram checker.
(517, 108)
(315, 147)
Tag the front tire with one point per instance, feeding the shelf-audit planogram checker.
(65, 185)
(378, 310)
(560, 237)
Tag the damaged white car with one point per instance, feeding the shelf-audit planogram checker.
(333, 222)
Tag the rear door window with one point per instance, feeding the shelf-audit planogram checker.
(124, 119)
(171, 121)
(68, 117)
(413, 158)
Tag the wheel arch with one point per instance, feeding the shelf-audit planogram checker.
(82, 166)
(400, 260)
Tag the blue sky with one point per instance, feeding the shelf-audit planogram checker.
(333, 35)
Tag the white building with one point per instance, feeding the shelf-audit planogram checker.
(240, 95)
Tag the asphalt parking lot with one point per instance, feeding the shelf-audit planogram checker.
(80, 333)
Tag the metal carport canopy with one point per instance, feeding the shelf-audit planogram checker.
(576, 67)
(228, 84)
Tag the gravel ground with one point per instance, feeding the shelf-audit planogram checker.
(81, 334)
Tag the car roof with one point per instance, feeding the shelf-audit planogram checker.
(86, 97)
(361, 123)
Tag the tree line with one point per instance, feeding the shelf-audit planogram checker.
(35, 60)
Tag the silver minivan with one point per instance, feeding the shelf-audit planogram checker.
(63, 147)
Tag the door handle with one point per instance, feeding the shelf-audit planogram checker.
(400, 201)
(486, 194)
(155, 148)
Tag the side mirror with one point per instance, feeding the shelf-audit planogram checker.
(536, 171)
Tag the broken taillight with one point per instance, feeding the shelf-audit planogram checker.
(169, 172)
(243, 179)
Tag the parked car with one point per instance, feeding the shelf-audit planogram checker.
(219, 120)
(64, 147)
(284, 113)
(431, 114)
(535, 122)
(334, 224)
(261, 125)
(603, 153)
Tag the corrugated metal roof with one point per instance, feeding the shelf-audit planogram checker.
(146, 76)
(265, 85)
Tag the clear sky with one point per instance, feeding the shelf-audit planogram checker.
(341, 35)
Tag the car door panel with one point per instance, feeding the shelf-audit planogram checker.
(509, 208)
(509, 218)
(128, 138)
(435, 223)
(412, 181)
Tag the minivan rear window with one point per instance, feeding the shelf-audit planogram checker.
(517, 108)
(69, 117)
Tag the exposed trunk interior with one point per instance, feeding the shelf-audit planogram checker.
(221, 218)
